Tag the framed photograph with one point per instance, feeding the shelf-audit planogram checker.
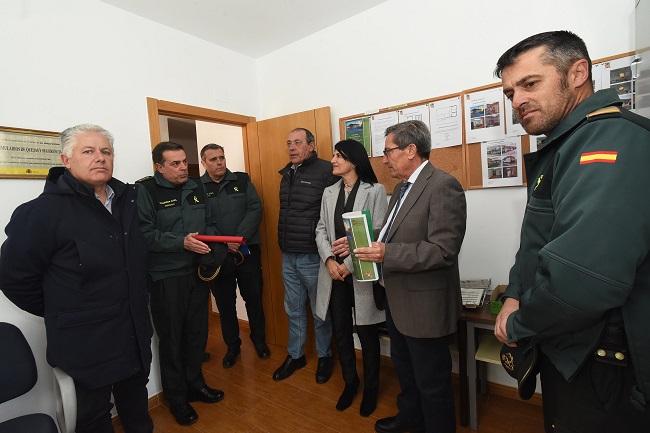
(28, 153)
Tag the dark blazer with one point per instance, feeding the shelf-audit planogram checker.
(66, 258)
(420, 265)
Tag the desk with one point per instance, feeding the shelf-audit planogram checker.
(469, 322)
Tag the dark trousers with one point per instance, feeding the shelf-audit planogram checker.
(248, 276)
(341, 307)
(180, 315)
(423, 367)
(597, 400)
(94, 406)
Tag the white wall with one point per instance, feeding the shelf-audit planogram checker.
(229, 136)
(74, 61)
(407, 50)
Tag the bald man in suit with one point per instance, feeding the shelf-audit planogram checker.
(419, 263)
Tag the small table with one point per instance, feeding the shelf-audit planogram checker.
(480, 318)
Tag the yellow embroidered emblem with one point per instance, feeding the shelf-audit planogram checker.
(508, 361)
(538, 181)
(236, 189)
(196, 200)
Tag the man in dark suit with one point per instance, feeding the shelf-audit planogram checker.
(419, 263)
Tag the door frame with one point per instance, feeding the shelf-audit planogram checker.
(272, 296)
(158, 107)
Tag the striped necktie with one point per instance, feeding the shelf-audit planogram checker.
(402, 191)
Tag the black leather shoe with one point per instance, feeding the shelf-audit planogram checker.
(184, 413)
(345, 400)
(288, 367)
(230, 358)
(205, 394)
(392, 424)
(262, 351)
(324, 369)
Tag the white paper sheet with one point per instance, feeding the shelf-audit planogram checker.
(501, 162)
(378, 125)
(446, 123)
(420, 112)
(616, 74)
(513, 127)
(484, 119)
(535, 142)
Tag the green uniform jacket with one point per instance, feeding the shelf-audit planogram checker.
(165, 220)
(234, 206)
(585, 238)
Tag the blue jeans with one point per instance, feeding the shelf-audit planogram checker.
(300, 275)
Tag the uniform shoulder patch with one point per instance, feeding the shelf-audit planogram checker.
(599, 156)
(604, 111)
(144, 179)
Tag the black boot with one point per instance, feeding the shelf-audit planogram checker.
(369, 337)
(345, 400)
(369, 401)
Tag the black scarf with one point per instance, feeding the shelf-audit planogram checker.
(343, 206)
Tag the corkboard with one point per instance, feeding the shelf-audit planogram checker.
(449, 159)
(464, 161)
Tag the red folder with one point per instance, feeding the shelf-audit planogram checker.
(220, 239)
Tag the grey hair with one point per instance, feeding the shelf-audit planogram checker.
(411, 132)
(68, 137)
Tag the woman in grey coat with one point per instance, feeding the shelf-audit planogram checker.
(350, 302)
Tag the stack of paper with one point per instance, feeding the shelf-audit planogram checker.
(472, 292)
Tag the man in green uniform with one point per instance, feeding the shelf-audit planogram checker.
(172, 208)
(580, 285)
(235, 210)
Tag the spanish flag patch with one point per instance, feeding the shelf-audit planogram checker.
(604, 156)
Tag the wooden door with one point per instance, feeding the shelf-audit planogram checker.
(266, 157)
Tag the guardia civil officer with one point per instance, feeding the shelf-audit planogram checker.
(235, 210)
(172, 207)
(580, 285)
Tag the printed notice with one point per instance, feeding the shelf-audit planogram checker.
(446, 123)
(501, 162)
(359, 129)
(484, 118)
(513, 124)
(378, 125)
(26, 154)
(421, 113)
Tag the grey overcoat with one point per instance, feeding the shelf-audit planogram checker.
(373, 198)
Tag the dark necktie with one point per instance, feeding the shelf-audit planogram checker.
(402, 191)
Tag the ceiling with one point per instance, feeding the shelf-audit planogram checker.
(250, 27)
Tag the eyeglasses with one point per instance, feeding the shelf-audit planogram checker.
(387, 151)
